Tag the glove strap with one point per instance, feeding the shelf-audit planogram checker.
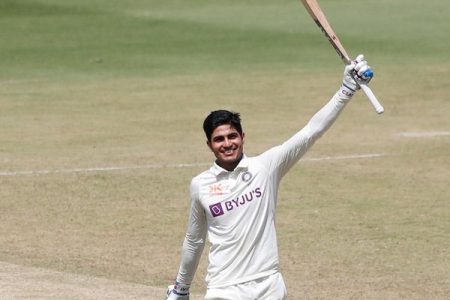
(345, 92)
(181, 289)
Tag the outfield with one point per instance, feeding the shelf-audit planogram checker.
(100, 133)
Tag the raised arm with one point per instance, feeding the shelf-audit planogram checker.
(287, 154)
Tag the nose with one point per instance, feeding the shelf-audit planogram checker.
(227, 142)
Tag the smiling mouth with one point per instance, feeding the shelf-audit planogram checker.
(228, 151)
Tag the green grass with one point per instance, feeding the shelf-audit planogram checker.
(113, 39)
(94, 84)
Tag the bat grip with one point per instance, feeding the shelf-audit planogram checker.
(372, 98)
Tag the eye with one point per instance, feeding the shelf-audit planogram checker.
(218, 138)
(233, 136)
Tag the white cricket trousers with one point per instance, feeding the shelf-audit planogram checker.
(267, 288)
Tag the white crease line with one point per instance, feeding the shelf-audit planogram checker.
(344, 157)
(163, 166)
(424, 134)
(105, 169)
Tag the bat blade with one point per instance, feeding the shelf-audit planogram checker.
(313, 8)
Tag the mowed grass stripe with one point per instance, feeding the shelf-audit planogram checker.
(47, 37)
(72, 40)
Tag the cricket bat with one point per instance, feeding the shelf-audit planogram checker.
(318, 16)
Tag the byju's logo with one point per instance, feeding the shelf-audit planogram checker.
(216, 209)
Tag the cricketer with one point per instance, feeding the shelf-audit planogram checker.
(234, 203)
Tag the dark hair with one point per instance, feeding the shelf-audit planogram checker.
(221, 117)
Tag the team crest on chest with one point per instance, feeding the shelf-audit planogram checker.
(246, 176)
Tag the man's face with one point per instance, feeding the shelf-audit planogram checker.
(227, 144)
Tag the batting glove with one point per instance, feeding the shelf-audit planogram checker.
(179, 291)
(356, 73)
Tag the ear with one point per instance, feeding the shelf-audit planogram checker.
(209, 144)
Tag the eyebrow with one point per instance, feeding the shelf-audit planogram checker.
(222, 136)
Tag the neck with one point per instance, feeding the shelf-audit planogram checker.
(230, 166)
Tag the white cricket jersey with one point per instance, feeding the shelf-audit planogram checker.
(236, 209)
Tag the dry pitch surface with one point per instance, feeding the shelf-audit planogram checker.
(19, 282)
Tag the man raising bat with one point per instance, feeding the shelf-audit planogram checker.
(234, 203)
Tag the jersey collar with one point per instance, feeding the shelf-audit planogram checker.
(243, 164)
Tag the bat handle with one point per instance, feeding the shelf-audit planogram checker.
(372, 98)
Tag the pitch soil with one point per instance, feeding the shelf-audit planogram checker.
(20, 282)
